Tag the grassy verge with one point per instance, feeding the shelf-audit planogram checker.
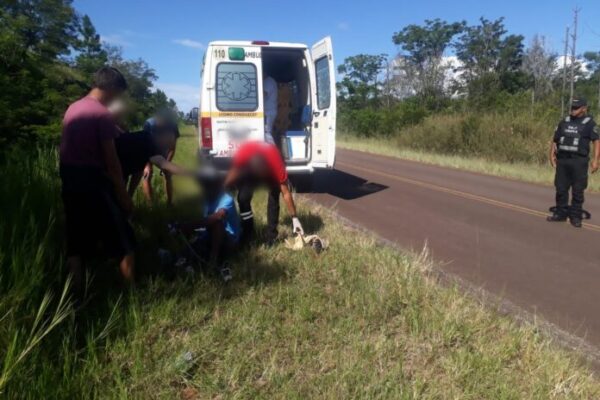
(360, 321)
(528, 172)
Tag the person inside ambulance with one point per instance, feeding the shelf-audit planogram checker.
(270, 106)
(260, 164)
(569, 155)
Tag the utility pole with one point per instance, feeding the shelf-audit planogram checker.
(564, 74)
(574, 53)
(598, 73)
(388, 84)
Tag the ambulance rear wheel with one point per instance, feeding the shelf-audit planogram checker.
(302, 183)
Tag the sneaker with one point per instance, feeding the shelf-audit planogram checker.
(225, 273)
(576, 222)
(556, 218)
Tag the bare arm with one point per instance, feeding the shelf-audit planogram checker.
(115, 173)
(552, 155)
(168, 166)
(171, 153)
(288, 199)
(168, 179)
(231, 178)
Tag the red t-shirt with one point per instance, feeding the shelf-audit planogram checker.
(270, 154)
(86, 124)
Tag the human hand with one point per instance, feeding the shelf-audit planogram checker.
(147, 172)
(553, 160)
(595, 166)
(297, 226)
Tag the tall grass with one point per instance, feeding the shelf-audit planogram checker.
(359, 321)
(513, 145)
(496, 137)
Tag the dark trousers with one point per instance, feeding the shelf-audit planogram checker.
(246, 188)
(571, 174)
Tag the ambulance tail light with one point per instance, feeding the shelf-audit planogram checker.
(206, 132)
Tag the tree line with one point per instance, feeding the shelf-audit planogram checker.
(454, 67)
(48, 54)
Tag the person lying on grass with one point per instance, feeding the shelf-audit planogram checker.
(137, 149)
(218, 231)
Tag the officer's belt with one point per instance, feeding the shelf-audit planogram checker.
(562, 155)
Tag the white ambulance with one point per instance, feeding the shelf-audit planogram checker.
(232, 101)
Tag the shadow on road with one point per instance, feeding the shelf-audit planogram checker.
(344, 185)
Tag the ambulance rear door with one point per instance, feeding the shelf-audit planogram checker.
(237, 100)
(324, 106)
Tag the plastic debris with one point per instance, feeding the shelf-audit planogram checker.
(313, 241)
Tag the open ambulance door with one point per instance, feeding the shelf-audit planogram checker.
(324, 105)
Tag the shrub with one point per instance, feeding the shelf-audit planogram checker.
(500, 137)
(371, 122)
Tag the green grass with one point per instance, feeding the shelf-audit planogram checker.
(360, 321)
(529, 172)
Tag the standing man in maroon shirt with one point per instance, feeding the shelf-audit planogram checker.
(255, 164)
(94, 195)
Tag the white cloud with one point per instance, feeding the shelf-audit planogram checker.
(115, 39)
(343, 26)
(186, 96)
(189, 43)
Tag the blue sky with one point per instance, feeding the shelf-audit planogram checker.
(171, 35)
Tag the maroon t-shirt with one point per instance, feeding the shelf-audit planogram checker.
(86, 124)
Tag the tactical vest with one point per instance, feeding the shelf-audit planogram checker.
(570, 137)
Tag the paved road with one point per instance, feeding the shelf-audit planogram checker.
(489, 231)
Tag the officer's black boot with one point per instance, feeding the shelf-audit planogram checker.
(576, 222)
(556, 217)
(575, 217)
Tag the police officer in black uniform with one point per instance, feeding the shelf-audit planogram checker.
(570, 156)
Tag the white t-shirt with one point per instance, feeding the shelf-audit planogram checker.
(270, 89)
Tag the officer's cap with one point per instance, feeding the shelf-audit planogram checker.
(579, 102)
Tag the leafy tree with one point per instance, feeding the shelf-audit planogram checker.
(140, 79)
(360, 85)
(592, 60)
(421, 58)
(540, 64)
(491, 59)
(46, 28)
(92, 55)
(47, 58)
(35, 37)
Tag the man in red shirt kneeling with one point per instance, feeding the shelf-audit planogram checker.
(255, 164)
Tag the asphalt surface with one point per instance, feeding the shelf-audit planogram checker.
(488, 231)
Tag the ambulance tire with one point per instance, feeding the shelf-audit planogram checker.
(302, 183)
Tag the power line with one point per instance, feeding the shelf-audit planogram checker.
(587, 25)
